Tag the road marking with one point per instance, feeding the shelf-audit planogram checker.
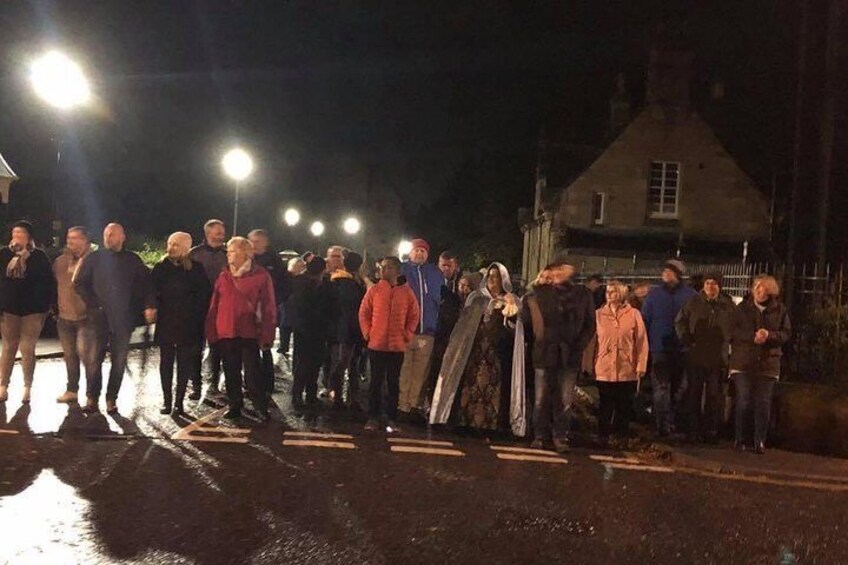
(611, 459)
(649, 468)
(764, 480)
(9, 432)
(412, 441)
(196, 431)
(535, 458)
(318, 443)
(324, 435)
(428, 450)
(527, 450)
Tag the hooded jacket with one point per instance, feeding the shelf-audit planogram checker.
(426, 282)
(659, 312)
(389, 316)
(703, 327)
(622, 344)
(344, 297)
(242, 307)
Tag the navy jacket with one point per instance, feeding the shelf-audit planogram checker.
(659, 313)
(426, 282)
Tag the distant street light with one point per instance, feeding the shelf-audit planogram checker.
(317, 229)
(352, 226)
(291, 217)
(404, 248)
(238, 165)
(59, 81)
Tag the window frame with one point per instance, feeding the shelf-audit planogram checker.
(660, 215)
(601, 218)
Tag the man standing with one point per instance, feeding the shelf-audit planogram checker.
(449, 309)
(116, 287)
(388, 318)
(659, 312)
(426, 282)
(703, 327)
(267, 258)
(182, 296)
(307, 312)
(344, 294)
(212, 255)
(77, 333)
(562, 316)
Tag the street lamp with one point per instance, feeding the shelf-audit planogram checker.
(238, 165)
(404, 248)
(59, 81)
(317, 229)
(291, 217)
(352, 226)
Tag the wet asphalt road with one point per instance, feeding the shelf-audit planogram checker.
(77, 489)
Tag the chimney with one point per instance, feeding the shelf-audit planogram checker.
(619, 107)
(669, 74)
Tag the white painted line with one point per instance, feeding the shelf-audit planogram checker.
(211, 416)
(611, 459)
(319, 443)
(411, 441)
(650, 468)
(214, 439)
(325, 435)
(196, 432)
(428, 450)
(527, 450)
(535, 458)
(221, 430)
(9, 432)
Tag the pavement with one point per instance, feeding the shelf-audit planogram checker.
(51, 348)
(313, 487)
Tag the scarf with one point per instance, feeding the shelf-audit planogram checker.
(17, 266)
(184, 262)
(241, 271)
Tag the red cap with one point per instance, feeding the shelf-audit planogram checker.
(416, 243)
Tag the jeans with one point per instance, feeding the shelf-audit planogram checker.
(554, 396)
(343, 359)
(79, 344)
(704, 396)
(413, 373)
(308, 357)
(19, 332)
(188, 365)
(668, 386)
(117, 343)
(753, 394)
(237, 354)
(616, 407)
(385, 366)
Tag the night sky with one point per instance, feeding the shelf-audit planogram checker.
(324, 93)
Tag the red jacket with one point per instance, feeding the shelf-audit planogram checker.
(388, 316)
(243, 307)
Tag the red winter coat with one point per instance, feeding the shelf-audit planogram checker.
(243, 307)
(388, 316)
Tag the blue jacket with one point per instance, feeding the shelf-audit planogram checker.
(426, 281)
(659, 313)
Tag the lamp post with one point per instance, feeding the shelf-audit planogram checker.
(291, 217)
(317, 228)
(238, 165)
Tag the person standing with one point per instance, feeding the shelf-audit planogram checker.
(760, 329)
(242, 319)
(77, 333)
(703, 327)
(212, 255)
(267, 258)
(344, 296)
(116, 288)
(562, 317)
(426, 282)
(388, 318)
(296, 267)
(27, 290)
(659, 312)
(620, 361)
(182, 296)
(307, 311)
(450, 306)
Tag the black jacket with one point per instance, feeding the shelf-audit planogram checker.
(344, 296)
(449, 311)
(749, 357)
(306, 308)
(182, 297)
(213, 259)
(703, 327)
(567, 316)
(33, 294)
(275, 266)
(118, 284)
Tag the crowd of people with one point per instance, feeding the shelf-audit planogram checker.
(463, 349)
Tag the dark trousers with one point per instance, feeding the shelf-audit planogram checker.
(213, 367)
(188, 364)
(343, 359)
(616, 407)
(117, 343)
(704, 397)
(79, 345)
(385, 367)
(753, 394)
(308, 357)
(268, 369)
(285, 339)
(237, 354)
(552, 407)
(668, 386)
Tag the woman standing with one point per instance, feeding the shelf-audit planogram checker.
(760, 328)
(27, 289)
(621, 359)
(241, 320)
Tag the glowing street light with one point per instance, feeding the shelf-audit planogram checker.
(59, 81)
(317, 229)
(238, 165)
(352, 226)
(404, 248)
(291, 217)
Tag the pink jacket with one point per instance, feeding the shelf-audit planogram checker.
(621, 348)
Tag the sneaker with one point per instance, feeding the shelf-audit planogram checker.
(371, 425)
(67, 398)
(178, 410)
(91, 406)
(4, 394)
(233, 414)
(392, 427)
(195, 394)
(760, 448)
(111, 407)
(166, 409)
(27, 396)
(561, 445)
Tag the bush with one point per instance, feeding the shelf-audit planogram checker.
(151, 252)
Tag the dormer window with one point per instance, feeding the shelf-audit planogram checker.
(664, 190)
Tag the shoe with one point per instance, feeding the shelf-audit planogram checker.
(537, 444)
(392, 427)
(111, 407)
(4, 394)
(740, 446)
(561, 445)
(27, 395)
(760, 448)
(195, 394)
(91, 406)
(233, 414)
(67, 398)
(371, 425)
(178, 410)
(166, 409)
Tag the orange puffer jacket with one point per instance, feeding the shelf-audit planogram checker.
(388, 316)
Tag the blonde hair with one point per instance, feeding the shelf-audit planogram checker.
(623, 289)
(241, 243)
(769, 282)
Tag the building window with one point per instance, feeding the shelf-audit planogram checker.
(599, 204)
(664, 189)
